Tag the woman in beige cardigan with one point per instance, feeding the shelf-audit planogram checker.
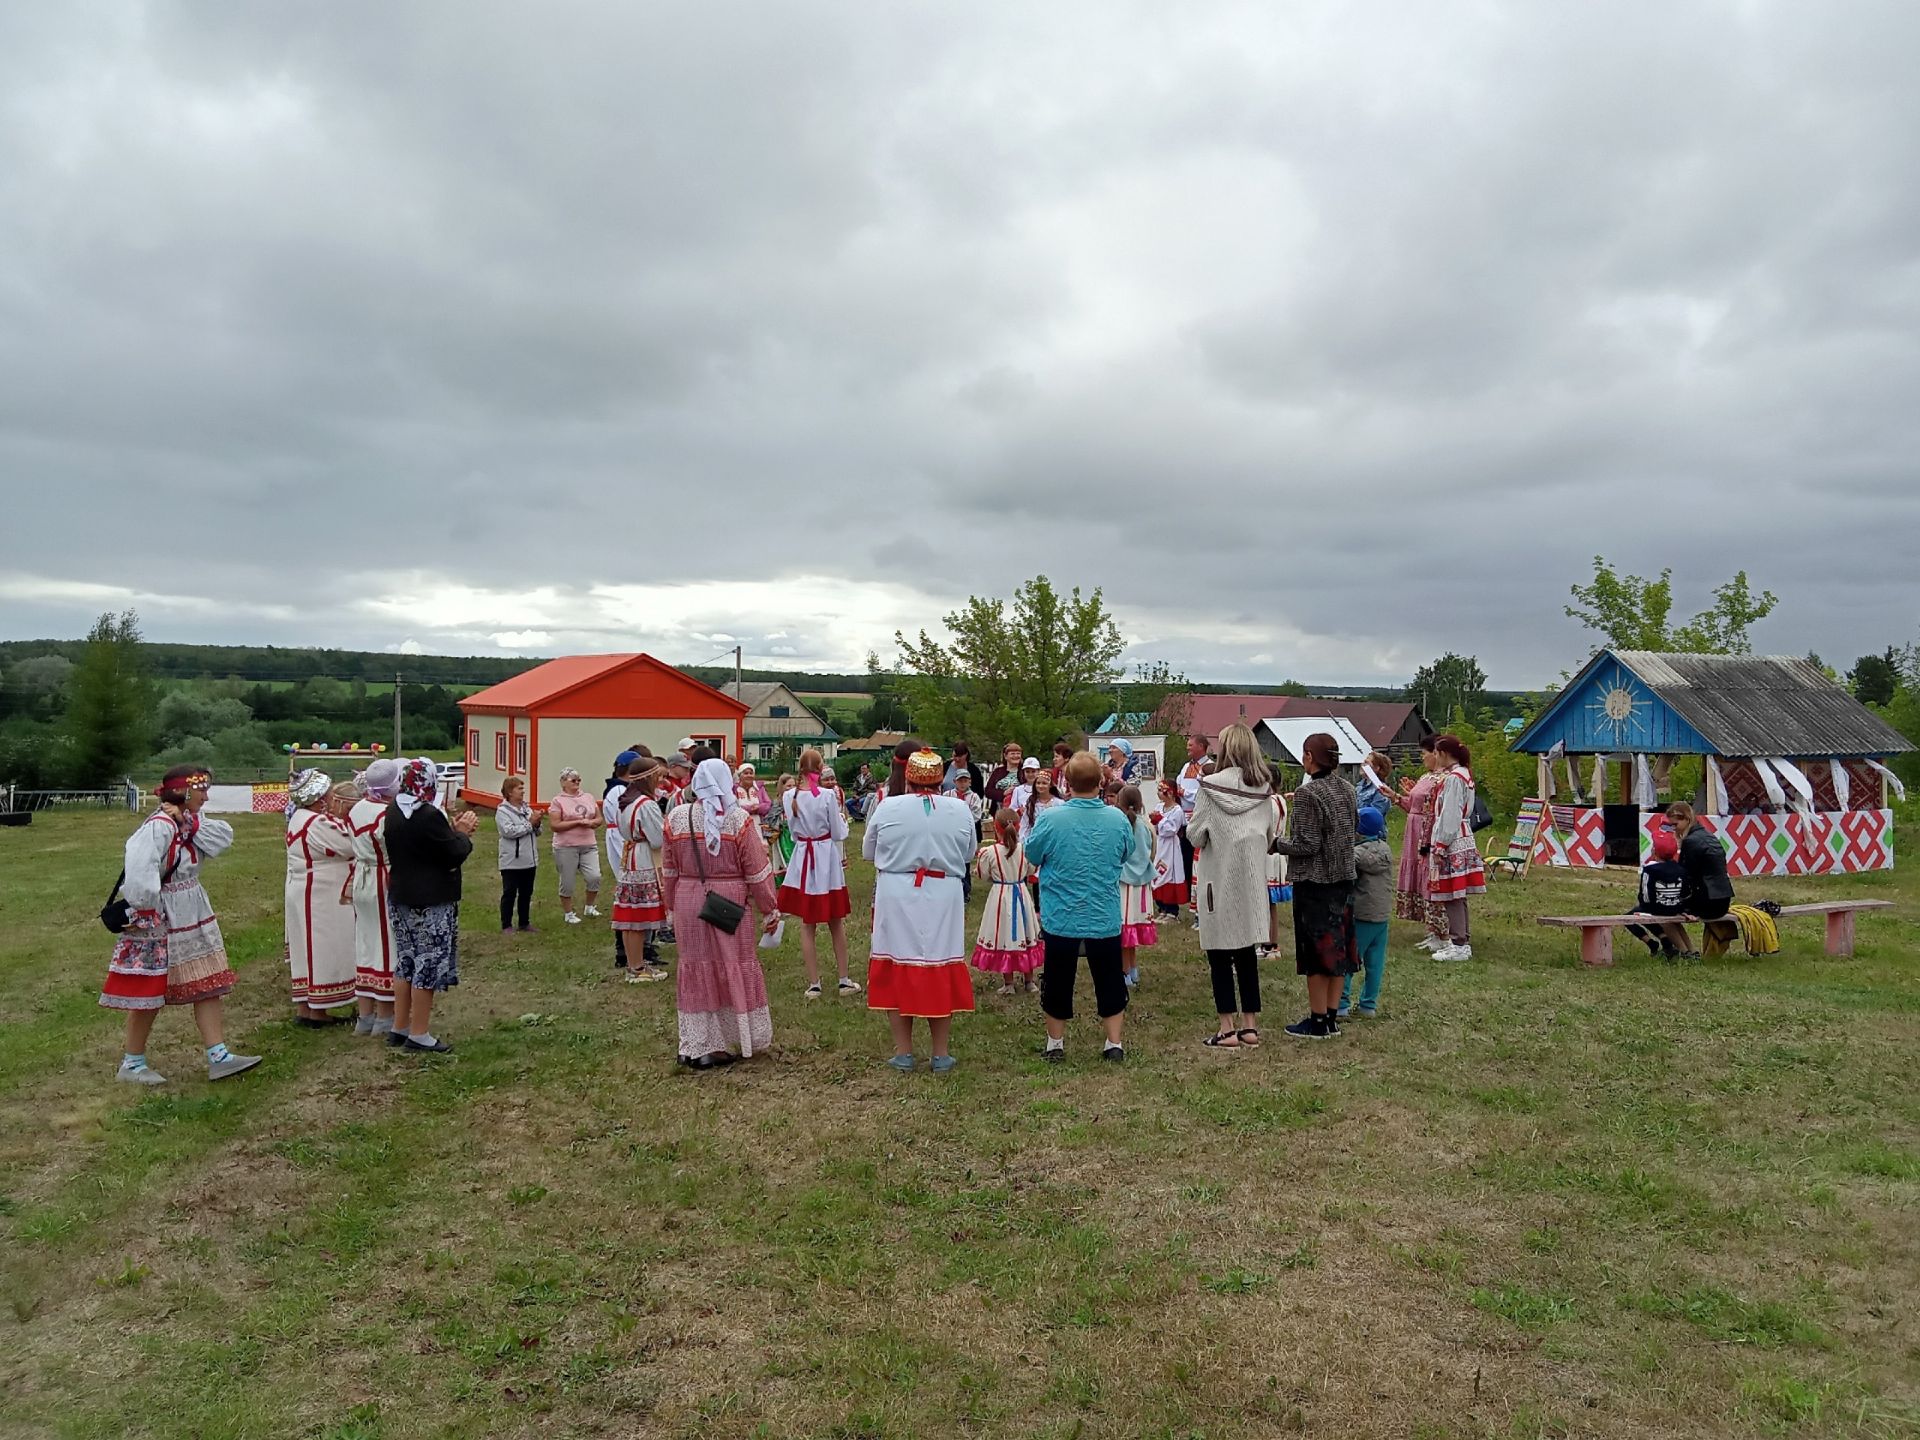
(1233, 823)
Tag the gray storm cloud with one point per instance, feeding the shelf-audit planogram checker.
(1339, 335)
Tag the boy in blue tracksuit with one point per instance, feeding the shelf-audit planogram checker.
(1372, 906)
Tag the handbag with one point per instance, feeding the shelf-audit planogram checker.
(717, 910)
(1479, 817)
(117, 914)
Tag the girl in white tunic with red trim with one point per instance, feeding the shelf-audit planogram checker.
(372, 937)
(814, 887)
(1008, 943)
(919, 842)
(320, 946)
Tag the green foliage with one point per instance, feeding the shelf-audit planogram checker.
(1632, 613)
(184, 713)
(1903, 713)
(1453, 682)
(1029, 670)
(107, 714)
(36, 688)
(1874, 678)
(34, 754)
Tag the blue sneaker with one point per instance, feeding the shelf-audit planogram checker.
(943, 1063)
(900, 1062)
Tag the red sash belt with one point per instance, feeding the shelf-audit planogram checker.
(922, 874)
(806, 862)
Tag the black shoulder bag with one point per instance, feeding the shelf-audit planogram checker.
(717, 910)
(1479, 817)
(117, 914)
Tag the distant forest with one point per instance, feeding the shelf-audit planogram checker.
(273, 663)
(79, 712)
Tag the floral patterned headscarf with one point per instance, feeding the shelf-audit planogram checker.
(419, 779)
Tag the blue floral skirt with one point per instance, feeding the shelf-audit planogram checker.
(426, 945)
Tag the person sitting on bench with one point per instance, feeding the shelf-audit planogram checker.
(1662, 880)
(1705, 890)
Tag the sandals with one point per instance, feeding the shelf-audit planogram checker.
(1249, 1036)
(1222, 1040)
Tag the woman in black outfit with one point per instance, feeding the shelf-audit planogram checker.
(1705, 890)
(425, 851)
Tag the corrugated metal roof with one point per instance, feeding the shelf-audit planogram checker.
(749, 693)
(1764, 704)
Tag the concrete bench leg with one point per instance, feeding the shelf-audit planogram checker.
(1840, 932)
(1596, 945)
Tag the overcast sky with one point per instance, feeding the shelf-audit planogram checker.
(1324, 337)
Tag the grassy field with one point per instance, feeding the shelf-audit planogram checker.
(1532, 1200)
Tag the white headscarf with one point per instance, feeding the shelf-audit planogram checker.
(713, 788)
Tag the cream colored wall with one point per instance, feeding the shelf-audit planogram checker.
(482, 775)
(590, 745)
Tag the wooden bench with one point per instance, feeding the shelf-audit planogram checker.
(1596, 931)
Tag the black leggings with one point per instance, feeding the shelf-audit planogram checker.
(1224, 964)
(516, 887)
(1063, 966)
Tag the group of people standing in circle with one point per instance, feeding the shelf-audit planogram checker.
(1077, 862)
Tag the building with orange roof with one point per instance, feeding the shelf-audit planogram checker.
(581, 711)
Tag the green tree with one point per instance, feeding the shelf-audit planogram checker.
(181, 713)
(1633, 613)
(1874, 678)
(886, 710)
(1030, 669)
(36, 687)
(110, 700)
(1453, 682)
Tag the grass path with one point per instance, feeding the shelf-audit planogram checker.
(1533, 1200)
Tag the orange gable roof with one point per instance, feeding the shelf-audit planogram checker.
(544, 684)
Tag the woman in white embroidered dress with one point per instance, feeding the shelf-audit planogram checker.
(638, 906)
(319, 911)
(372, 935)
(171, 952)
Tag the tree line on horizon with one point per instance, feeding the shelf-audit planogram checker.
(1033, 667)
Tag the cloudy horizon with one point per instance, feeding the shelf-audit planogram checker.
(1323, 339)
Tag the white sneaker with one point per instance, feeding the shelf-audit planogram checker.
(1454, 952)
(1427, 942)
(573, 919)
(593, 910)
(145, 1075)
(232, 1065)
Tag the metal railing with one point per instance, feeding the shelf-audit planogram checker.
(110, 797)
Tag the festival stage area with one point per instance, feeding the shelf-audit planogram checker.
(1531, 1200)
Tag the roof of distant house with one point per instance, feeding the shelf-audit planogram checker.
(547, 682)
(1378, 720)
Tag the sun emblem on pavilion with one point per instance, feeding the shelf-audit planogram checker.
(1617, 707)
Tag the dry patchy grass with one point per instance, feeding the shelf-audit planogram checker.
(1531, 1201)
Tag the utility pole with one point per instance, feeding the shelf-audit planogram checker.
(396, 717)
(736, 672)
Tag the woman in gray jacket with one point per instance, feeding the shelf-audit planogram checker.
(1232, 825)
(519, 831)
(1322, 870)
